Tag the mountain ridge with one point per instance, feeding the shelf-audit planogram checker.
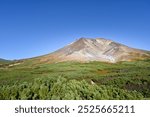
(4, 61)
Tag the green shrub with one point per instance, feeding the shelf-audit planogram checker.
(63, 89)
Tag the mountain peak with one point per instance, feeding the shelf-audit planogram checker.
(97, 49)
(93, 40)
(85, 39)
(83, 42)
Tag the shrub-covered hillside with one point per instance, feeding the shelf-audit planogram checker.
(72, 80)
(63, 89)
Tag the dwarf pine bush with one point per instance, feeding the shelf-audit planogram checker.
(64, 89)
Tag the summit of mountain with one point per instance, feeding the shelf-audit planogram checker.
(98, 49)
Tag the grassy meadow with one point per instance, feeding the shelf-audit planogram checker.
(30, 80)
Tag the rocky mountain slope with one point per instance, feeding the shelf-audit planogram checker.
(99, 49)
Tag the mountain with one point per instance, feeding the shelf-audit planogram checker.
(3, 61)
(99, 49)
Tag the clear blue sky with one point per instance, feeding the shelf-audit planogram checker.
(30, 28)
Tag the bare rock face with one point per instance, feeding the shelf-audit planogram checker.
(99, 49)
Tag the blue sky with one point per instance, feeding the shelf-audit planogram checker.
(31, 28)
